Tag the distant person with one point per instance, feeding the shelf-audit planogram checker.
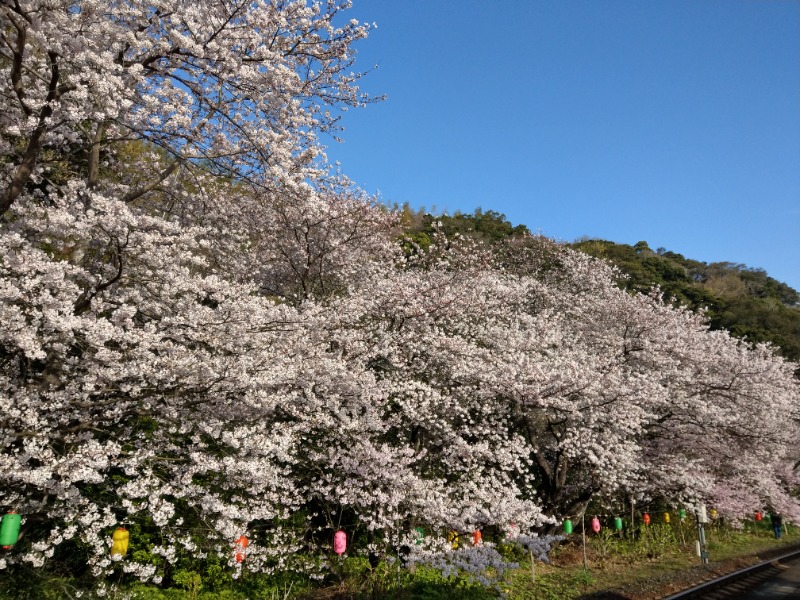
(777, 525)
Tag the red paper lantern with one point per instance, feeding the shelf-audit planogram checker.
(476, 537)
(240, 547)
(758, 515)
(596, 525)
(646, 519)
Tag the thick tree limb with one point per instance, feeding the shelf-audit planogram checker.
(94, 156)
(138, 193)
(29, 158)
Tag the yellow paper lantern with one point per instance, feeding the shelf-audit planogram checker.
(119, 547)
(452, 537)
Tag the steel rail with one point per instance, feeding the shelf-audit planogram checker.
(721, 583)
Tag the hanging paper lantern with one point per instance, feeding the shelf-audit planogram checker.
(758, 515)
(596, 525)
(713, 512)
(452, 537)
(666, 518)
(618, 523)
(476, 537)
(9, 529)
(420, 535)
(119, 542)
(513, 531)
(682, 513)
(240, 547)
(567, 526)
(646, 519)
(339, 542)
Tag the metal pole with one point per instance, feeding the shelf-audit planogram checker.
(703, 548)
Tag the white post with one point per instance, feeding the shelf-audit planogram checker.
(702, 519)
(533, 568)
(583, 533)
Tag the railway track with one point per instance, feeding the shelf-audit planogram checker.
(739, 583)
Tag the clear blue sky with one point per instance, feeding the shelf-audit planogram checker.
(674, 122)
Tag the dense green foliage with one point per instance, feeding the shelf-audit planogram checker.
(489, 226)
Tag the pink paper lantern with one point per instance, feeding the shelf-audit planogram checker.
(339, 542)
(596, 525)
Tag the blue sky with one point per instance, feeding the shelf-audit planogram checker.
(675, 122)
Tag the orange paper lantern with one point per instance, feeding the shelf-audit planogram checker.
(240, 547)
(646, 519)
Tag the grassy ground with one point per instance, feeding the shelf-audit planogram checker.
(663, 558)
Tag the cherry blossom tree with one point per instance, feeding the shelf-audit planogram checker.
(206, 333)
(594, 381)
(131, 339)
(240, 88)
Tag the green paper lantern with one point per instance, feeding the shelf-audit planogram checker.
(420, 535)
(682, 513)
(9, 530)
(618, 523)
(567, 526)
